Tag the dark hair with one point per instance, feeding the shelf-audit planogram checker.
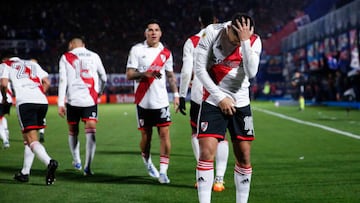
(152, 21)
(206, 15)
(239, 16)
(7, 54)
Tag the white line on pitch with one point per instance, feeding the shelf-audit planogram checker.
(309, 123)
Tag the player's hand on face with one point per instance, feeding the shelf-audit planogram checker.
(244, 30)
(227, 106)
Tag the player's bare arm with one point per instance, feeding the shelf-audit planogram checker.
(4, 84)
(46, 84)
(173, 87)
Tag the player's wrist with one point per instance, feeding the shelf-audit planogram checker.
(176, 94)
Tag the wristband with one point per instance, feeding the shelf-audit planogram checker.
(176, 94)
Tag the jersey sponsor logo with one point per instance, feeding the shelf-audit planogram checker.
(204, 126)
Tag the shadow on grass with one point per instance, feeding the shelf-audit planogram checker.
(74, 176)
(113, 152)
(71, 175)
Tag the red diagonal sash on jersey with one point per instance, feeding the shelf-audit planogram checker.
(27, 71)
(145, 83)
(71, 58)
(219, 71)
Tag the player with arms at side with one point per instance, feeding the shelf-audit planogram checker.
(82, 79)
(227, 56)
(5, 109)
(206, 18)
(147, 64)
(30, 83)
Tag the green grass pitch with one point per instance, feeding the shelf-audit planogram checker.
(292, 161)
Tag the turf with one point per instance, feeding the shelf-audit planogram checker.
(292, 162)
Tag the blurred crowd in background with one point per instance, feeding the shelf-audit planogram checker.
(42, 29)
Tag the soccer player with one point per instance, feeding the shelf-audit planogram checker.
(5, 109)
(206, 18)
(30, 83)
(147, 64)
(82, 79)
(227, 56)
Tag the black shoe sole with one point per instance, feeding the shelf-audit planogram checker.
(50, 176)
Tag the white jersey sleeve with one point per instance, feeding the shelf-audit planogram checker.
(62, 81)
(203, 51)
(187, 67)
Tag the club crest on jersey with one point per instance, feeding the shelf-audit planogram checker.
(204, 126)
(93, 114)
(163, 57)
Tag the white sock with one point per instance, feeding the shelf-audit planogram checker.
(39, 150)
(74, 145)
(205, 175)
(3, 135)
(195, 146)
(242, 178)
(90, 146)
(28, 160)
(164, 164)
(222, 155)
(5, 125)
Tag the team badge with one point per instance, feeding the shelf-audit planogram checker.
(141, 121)
(204, 126)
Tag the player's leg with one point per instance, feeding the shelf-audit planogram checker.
(145, 122)
(74, 145)
(241, 129)
(24, 173)
(211, 122)
(165, 147)
(90, 132)
(205, 168)
(3, 135)
(243, 170)
(222, 154)
(145, 147)
(194, 113)
(73, 119)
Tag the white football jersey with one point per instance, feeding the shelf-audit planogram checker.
(187, 70)
(25, 77)
(141, 57)
(81, 75)
(224, 68)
